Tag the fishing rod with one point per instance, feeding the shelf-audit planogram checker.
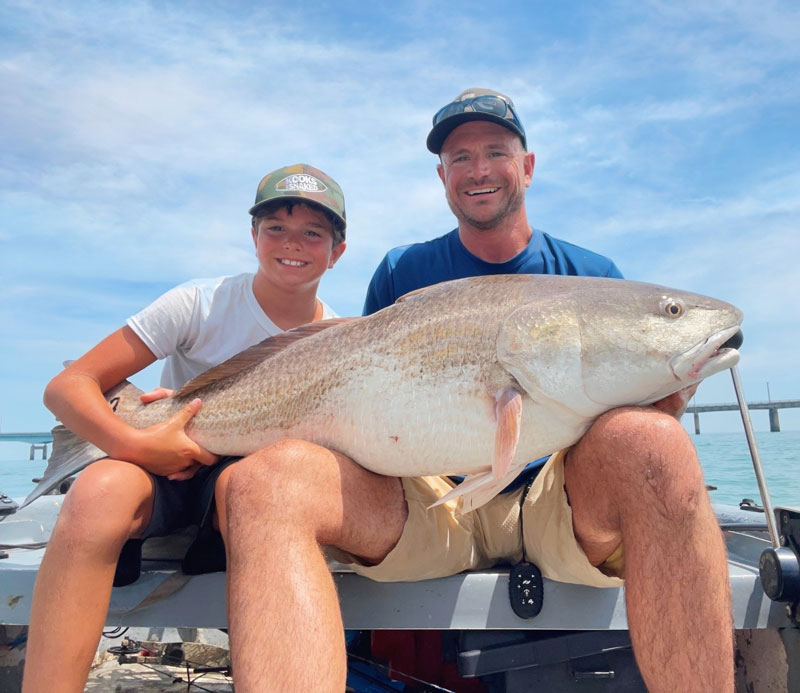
(766, 502)
(779, 566)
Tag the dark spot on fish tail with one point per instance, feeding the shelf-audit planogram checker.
(114, 402)
(394, 438)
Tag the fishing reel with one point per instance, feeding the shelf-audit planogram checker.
(779, 567)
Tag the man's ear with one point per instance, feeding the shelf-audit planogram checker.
(440, 171)
(530, 161)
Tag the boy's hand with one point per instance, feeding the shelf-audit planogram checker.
(166, 450)
(155, 395)
(676, 403)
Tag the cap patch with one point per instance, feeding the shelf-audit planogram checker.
(303, 182)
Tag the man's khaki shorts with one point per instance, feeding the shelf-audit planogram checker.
(439, 541)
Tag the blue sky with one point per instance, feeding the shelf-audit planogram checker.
(134, 135)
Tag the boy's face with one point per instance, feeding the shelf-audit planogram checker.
(294, 249)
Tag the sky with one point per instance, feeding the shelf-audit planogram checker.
(133, 136)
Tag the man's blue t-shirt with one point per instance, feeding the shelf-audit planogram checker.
(412, 267)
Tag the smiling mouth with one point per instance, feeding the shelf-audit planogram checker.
(482, 191)
(292, 263)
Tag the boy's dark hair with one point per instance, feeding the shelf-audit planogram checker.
(289, 204)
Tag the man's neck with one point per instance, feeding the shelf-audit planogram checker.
(499, 244)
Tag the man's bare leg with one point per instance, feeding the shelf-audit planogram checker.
(108, 502)
(635, 478)
(281, 505)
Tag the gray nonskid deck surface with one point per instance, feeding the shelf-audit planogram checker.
(473, 600)
(464, 601)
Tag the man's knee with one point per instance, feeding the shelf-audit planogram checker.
(281, 477)
(275, 466)
(309, 488)
(642, 454)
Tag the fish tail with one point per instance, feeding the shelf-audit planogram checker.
(71, 453)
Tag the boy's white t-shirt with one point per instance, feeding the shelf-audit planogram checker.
(202, 323)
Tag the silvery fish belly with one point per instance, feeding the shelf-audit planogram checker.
(476, 376)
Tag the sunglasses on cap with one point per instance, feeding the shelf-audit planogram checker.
(486, 103)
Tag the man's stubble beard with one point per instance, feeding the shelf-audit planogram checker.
(511, 207)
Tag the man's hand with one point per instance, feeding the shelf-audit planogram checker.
(676, 403)
(166, 450)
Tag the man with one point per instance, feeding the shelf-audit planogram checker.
(633, 480)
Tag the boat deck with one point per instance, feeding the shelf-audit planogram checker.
(475, 600)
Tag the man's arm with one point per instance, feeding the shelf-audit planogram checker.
(676, 403)
(613, 271)
(381, 291)
(75, 396)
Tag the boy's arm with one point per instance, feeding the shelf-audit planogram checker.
(75, 396)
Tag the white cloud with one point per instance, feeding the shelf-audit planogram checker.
(135, 135)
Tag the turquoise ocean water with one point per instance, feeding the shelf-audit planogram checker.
(725, 458)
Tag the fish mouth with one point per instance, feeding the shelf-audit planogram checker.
(713, 354)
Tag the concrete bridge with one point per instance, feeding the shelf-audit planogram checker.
(771, 406)
(38, 441)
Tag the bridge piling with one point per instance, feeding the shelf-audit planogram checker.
(39, 447)
(774, 421)
(696, 424)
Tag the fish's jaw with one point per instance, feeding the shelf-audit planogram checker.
(706, 358)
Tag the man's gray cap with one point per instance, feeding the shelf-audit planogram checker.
(468, 106)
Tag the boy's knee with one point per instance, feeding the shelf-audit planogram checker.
(107, 498)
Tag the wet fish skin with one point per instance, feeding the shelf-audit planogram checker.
(421, 387)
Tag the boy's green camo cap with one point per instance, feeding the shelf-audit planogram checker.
(306, 183)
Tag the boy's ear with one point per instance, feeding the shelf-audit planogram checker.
(254, 233)
(336, 253)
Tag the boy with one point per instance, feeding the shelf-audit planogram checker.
(157, 480)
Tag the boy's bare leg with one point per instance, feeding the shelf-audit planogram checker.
(108, 502)
(283, 503)
(635, 478)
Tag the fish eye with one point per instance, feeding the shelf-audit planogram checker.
(672, 308)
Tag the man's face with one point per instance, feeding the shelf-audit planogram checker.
(485, 172)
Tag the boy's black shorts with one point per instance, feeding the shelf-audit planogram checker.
(176, 506)
(180, 504)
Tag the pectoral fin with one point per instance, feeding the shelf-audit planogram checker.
(508, 413)
(478, 489)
